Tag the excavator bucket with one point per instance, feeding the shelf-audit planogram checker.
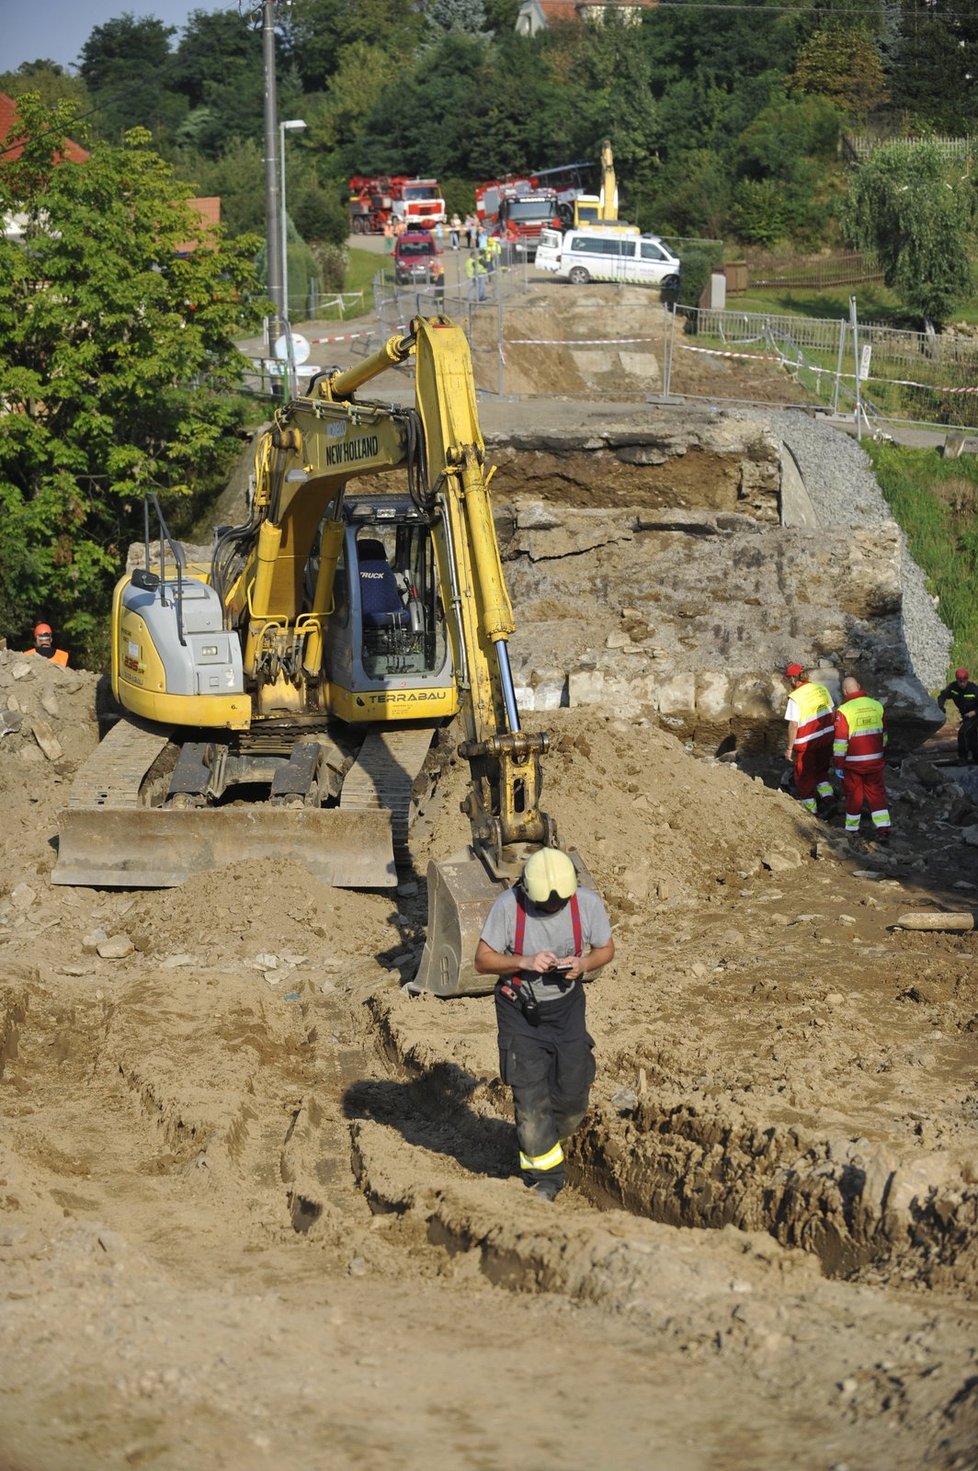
(159, 848)
(460, 895)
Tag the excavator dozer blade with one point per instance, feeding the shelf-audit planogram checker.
(460, 895)
(159, 848)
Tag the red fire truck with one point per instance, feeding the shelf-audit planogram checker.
(420, 204)
(518, 208)
(374, 201)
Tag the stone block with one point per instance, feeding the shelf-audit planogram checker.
(586, 687)
(756, 697)
(713, 696)
(677, 695)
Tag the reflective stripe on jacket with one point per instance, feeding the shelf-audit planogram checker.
(815, 723)
(860, 734)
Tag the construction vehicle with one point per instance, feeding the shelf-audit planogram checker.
(517, 209)
(600, 208)
(312, 654)
(371, 203)
(386, 198)
(420, 204)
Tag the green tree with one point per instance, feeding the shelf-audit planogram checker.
(520, 107)
(599, 65)
(217, 68)
(338, 118)
(48, 79)
(843, 64)
(501, 16)
(916, 211)
(461, 17)
(428, 122)
(318, 32)
(107, 340)
(934, 64)
(789, 148)
(237, 176)
(125, 66)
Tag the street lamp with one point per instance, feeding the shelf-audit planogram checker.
(293, 125)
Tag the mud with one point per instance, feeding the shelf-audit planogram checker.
(258, 1204)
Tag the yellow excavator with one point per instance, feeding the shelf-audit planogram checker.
(601, 208)
(280, 695)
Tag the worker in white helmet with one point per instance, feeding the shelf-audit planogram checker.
(543, 938)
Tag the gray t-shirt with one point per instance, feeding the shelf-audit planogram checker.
(546, 932)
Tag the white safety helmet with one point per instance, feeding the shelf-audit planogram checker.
(549, 875)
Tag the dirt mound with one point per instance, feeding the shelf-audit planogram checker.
(238, 914)
(654, 824)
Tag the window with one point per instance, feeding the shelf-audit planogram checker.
(597, 245)
(651, 251)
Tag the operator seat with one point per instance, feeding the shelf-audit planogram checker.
(380, 601)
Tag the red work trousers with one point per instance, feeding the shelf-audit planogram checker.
(865, 787)
(811, 770)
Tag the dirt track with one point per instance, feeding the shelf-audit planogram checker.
(258, 1204)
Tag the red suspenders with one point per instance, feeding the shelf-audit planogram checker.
(508, 983)
(575, 909)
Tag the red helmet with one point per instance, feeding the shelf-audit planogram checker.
(794, 671)
(961, 674)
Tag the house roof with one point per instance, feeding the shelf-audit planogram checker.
(209, 209)
(558, 10)
(12, 146)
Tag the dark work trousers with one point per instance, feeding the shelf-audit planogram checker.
(968, 739)
(550, 1069)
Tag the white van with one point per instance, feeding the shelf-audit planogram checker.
(607, 254)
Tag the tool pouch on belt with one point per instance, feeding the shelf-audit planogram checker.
(515, 992)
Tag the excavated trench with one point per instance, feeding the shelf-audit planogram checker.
(676, 1166)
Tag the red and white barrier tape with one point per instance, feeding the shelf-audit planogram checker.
(756, 357)
(347, 337)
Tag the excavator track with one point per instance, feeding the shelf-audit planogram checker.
(113, 774)
(382, 777)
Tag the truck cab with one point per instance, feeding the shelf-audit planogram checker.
(421, 205)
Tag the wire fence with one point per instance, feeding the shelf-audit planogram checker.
(871, 373)
(877, 373)
(814, 273)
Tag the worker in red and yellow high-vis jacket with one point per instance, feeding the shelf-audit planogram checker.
(810, 731)
(859, 751)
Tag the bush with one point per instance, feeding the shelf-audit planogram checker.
(699, 259)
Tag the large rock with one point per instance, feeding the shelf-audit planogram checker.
(689, 598)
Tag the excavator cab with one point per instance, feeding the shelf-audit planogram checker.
(386, 645)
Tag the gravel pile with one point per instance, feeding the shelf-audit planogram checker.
(845, 492)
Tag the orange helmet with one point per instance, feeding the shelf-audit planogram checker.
(40, 628)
